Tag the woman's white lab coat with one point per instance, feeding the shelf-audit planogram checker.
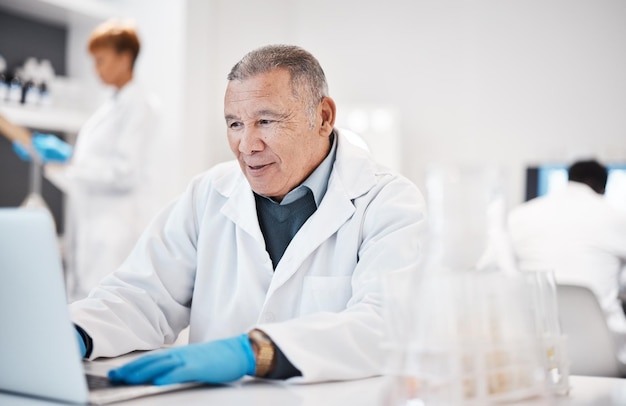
(203, 261)
(110, 185)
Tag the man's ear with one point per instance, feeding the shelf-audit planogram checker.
(327, 112)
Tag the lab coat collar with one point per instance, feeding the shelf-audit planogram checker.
(580, 189)
(123, 93)
(354, 168)
(240, 207)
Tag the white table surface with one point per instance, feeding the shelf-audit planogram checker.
(372, 391)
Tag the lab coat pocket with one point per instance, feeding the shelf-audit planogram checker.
(325, 293)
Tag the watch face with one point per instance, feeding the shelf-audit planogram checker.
(260, 336)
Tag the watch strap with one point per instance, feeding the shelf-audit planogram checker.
(265, 352)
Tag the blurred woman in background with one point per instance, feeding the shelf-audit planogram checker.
(110, 176)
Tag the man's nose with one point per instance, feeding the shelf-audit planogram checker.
(251, 141)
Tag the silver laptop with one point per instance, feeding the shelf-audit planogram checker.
(39, 354)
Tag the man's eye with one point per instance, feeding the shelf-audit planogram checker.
(235, 124)
(265, 122)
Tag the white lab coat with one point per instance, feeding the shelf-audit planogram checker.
(111, 186)
(576, 233)
(203, 261)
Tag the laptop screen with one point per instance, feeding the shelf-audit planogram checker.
(39, 353)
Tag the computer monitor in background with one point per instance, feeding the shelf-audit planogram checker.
(544, 179)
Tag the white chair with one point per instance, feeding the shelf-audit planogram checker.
(590, 346)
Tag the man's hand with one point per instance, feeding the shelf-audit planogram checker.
(213, 362)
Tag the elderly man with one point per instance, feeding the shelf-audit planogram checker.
(274, 260)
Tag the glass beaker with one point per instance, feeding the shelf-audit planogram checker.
(399, 287)
(472, 337)
(542, 289)
(474, 341)
(34, 199)
(466, 211)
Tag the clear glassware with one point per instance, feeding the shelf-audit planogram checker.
(35, 199)
(542, 285)
(467, 334)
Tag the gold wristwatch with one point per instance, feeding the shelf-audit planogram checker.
(264, 352)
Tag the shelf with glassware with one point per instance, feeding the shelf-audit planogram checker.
(53, 119)
(33, 96)
(51, 103)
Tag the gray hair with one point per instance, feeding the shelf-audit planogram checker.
(307, 78)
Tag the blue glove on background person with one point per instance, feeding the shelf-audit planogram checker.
(50, 148)
(21, 151)
(213, 362)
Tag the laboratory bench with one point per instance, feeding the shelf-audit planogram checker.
(585, 390)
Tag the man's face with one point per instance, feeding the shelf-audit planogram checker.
(269, 132)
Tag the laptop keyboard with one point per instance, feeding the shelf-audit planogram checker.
(103, 391)
(95, 382)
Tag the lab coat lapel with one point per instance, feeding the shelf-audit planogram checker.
(240, 208)
(352, 176)
(333, 212)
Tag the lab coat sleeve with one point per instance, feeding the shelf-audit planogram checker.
(347, 345)
(120, 170)
(145, 303)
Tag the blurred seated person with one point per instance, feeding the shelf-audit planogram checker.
(576, 233)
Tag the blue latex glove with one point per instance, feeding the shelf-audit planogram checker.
(50, 148)
(81, 344)
(21, 151)
(213, 362)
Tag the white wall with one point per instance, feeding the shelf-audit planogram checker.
(502, 82)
